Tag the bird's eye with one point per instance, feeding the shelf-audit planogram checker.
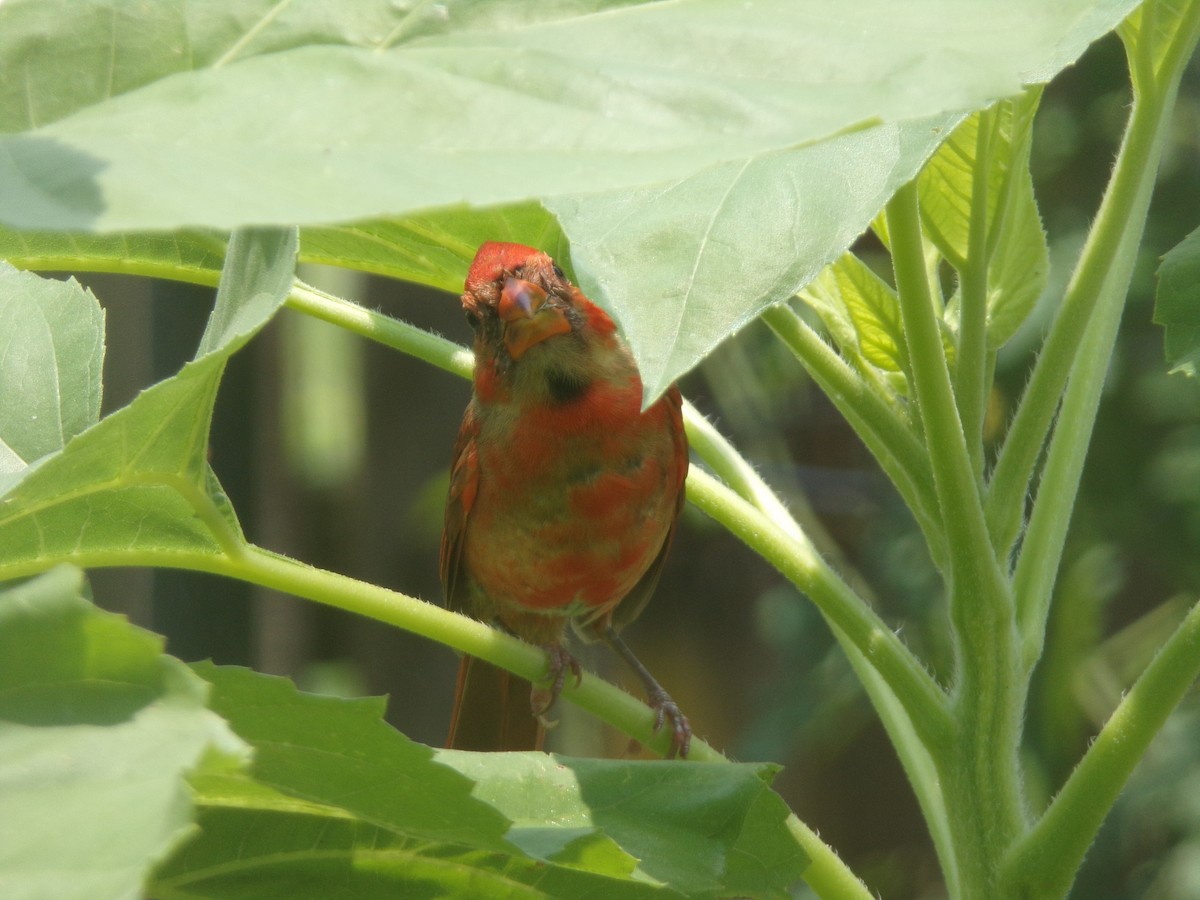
(558, 271)
(473, 320)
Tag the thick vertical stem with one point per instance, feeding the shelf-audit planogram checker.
(1044, 862)
(980, 764)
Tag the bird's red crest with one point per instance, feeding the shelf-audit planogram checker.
(496, 257)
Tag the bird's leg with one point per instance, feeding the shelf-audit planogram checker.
(561, 662)
(660, 701)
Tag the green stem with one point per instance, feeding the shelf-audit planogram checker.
(1119, 227)
(1102, 252)
(261, 567)
(732, 468)
(914, 756)
(1142, 70)
(464, 634)
(796, 559)
(376, 326)
(826, 873)
(980, 767)
(1044, 862)
(955, 484)
(796, 517)
(879, 426)
(971, 364)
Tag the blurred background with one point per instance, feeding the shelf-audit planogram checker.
(335, 451)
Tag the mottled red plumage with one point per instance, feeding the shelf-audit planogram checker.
(564, 494)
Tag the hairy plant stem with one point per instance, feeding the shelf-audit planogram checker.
(1118, 228)
(979, 765)
(972, 362)
(1016, 464)
(911, 749)
(393, 333)
(802, 565)
(1044, 862)
(880, 427)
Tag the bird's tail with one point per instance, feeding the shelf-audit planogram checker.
(491, 710)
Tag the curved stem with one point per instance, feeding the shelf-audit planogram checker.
(465, 634)
(958, 490)
(430, 348)
(1044, 862)
(826, 873)
(893, 444)
(1105, 274)
(1104, 250)
(732, 468)
(795, 558)
(914, 756)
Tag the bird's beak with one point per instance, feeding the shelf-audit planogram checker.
(527, 319)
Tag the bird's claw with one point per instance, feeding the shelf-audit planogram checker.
(561, 662)
(681, 730)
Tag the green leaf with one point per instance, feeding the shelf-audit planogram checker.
(329, 773)
(686, 264)
(435, 249)
(251, 854)
(341, 754)
(52, 347)
(191, 256)
(97, 731)
(118, 47)
(260, 266)
(1019, 267)
(861, 310)
(1017, 255)
(698, 827)
(292, 114)
(399, 112)
(1151, 45)
(1177, 304)
(138, 481)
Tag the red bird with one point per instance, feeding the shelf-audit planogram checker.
(564, 494)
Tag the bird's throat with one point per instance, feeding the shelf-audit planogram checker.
(565, 387)
(523, 333)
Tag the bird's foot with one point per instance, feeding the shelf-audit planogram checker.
(667, 710)
(561, 662)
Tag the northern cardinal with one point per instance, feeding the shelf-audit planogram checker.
(563, 495)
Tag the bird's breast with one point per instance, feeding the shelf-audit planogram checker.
(574, 503)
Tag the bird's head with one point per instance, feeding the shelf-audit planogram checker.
(531, 323)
